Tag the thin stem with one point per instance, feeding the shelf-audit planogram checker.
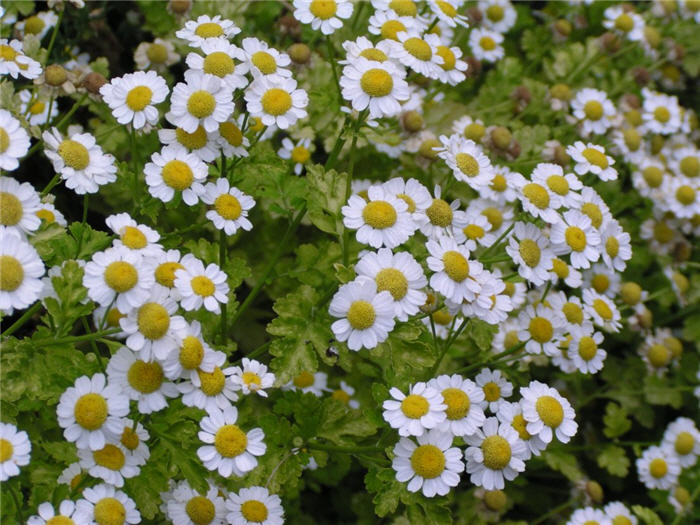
(432, 24)
(497, 357)
(53, 38)
(348, 181)
(339, 143)
(552, 512)
(54, 180)
(82, 231)
(274, 470)
(134, 148)
(94, 347)
(223, 239)
(48, 115)
(255, 353)
(346, 450)
(107, 310)
(76, 338)
(65, 118)
(334, 67)
(19, 322)
(450, 340)
(546, 291)
(498, 241)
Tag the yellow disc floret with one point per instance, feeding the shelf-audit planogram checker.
(536, 194)
(201, 104)
(230, 441)
(165, 273)
(575, 238)
(456, 266)
(376, 82)
(530, 252)
(276, 101)
(323, 9)
(658, 468)
(212, 383)
(133, 238)
(440, 213)
(109, 511)
(191, 352)
(393, 281)
(138, 98)
(11, 273)
(110, 457)
(254, 511)
(379, 214)
(497, 452)
(361, 315)
(218, 64)
(264, 61)
(145, 377)
(550, 411)
(419, 48)
(593, 110)
(414, 406)
(153, 320)
(121, 276)
(177, 174)
(458, 403)
(202, 285)
(209, 30)
(228, 206)
(428, 461)
(541, 329)
(74, 154)
(200, 510)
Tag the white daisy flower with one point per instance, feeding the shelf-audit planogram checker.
(566, 273)
(134, 438)
(648, 176)
(432, 466)
(111, 463)
(377, 86)
(602, 311)
(603, 280)
(538, 199)
(20, 272)
(136, 237)
(199, 142)
(189, 507)
(67, 513)
(71, 476)
(191, 355)
(413, 414)
(594, 206)
(14, 139)
(202, 99)
(363, 47)
(221, 59)
(492, 304)
(344, 394)
(37, 24)
(400, 275)
(588, 516)
(325, 15)
(683, 438)
(486, 45)
(547, 413)
(133, 97)
(574, 235)
(680, 499)
(173, 169)
(140, 380)
(682, 197)
(15, 449)
(452, 68)
(594, 110)
(380, 220)
(299, 153)
(388, 23)
(661, 113)
(563, 187)
(418, 53)
(446, 11)
(499, 15)
(466, 160)
(48, 213)
(617, 245)
(512, 414)
(656, 355)
(495, 453)
(35, 110)
(475, 233)
(501, 188)
(19, 204)
(626, 23)
(265, 60)
(196, 32)
(105, 504)
(470, 128)
(591, 158)
(91, 412)
(158, 55)
(229, 450)
(230, 138)
(80, 161)
(686, 161)
(315, 384)
(230, 206)
(496, 388)
(254, 506)
(456, 276)
(366, 317)
(529, 249)
(462, 399)
(585, 352)
(210, 391)
(118, 276)
(199, 286)
(571, 308)
(499, 216)
(658, 468)
(14, 62)
(252, 377)
(619, 513)
(276, 101)
(164, 264)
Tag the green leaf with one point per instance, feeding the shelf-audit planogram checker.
(71, 303)
(341, 425)
(647, 515)
(325, 198)
(613, 459)
(658, 392)
(382, 482)
(563, 462)
(616, 420)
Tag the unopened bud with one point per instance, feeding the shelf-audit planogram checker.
(631, 293)
(180, 7)
(563, 27)
(93, 82)
(299, 53)
(412, 121)
(594, 491)
(55, 75)
(610, 42)
(495, 499)
(501, 137)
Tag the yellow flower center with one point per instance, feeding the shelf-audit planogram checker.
(653, 176)
(201, 104)
(37, 108)
(573, 313)
(153, 320)
(662, 114)
(530, 252)
(658, 468)
(602, 309)
(109, 511)
(276, 101)
(600, 282)
(231, 133)
(390, 28)
(7, 53)
(595, 157)
(621, 520)
(157, 53)
(458, 403)
(593, 212)
(90, 411)
(165, 273)
(498, 183)
(632, 139)
(681, 495)
(138, 98)
(658, 355)
(520, 426)
(690, 166)
(121, 276)
(195, 140)
(419, 48)
(11, 273)
(218, 64)
(393, 281)
(202, 285)
(209, 30)
(428, 461)
(323, 9)
(587, 348)
(467, 164)
(536, 194)
(497, 452)
(110, 457)
(456, 266)
(684, 443)
(304, 380)
(379, 214)
(575, 238)
(6, 450)
(663, 233)
(511, 339)
(487, 43)
(448, 58)
(251, 378)
(145, 377)
(228, 206)
(495, 499)
(593, 110)
(558, 184)
(560, 92)
(191, 353)
(427, 150)
(341, 395)
(403, 7)
(624, 23)
(264, 61)
(492, 392)
(33, 25)
(374, 54)
(230, 441)
(212, 383)
(60, 520)
(560, 268)
(129, 439)
(74, 154)
(133, 238)
(361, 315)
(113, 317)
(612, 246)
(254, 511)
(685, 195)
(200, 510)
(177, 174)
(495, 13)
(550, 411)
(440, 213)
(414, 406)
(474, 131)
(674, 345)
(376, 82)
(300, 155)
(473, 231)
(442, 317)
(4, 140)
(46, 215)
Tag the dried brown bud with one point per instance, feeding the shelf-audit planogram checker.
(632, 101)
(93, 82)
(610, 42)
(474, 69)
(561, 157)
(289, 25)
(180, 7)
(475, 15)
(514, 149)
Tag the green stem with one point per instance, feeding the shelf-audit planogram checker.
(53, 36)
(134, 147)
(497, 357)
(450, 340)
(498, 241)
(546, 291)
(432, 24)
(76, 338)
(93, 345)
(334, 67)
(255, 353)
(20, 322)
(16, 500)
(348, 181)
(552, 512)
(54, 180)
(82, 231)
(65, 118)
(339, 143)
(48, 115)
(222, 262)
(271, 264)
(346, 450)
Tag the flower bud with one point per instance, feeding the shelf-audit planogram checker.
(299, 53)
(55, 75)
(93, 81)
